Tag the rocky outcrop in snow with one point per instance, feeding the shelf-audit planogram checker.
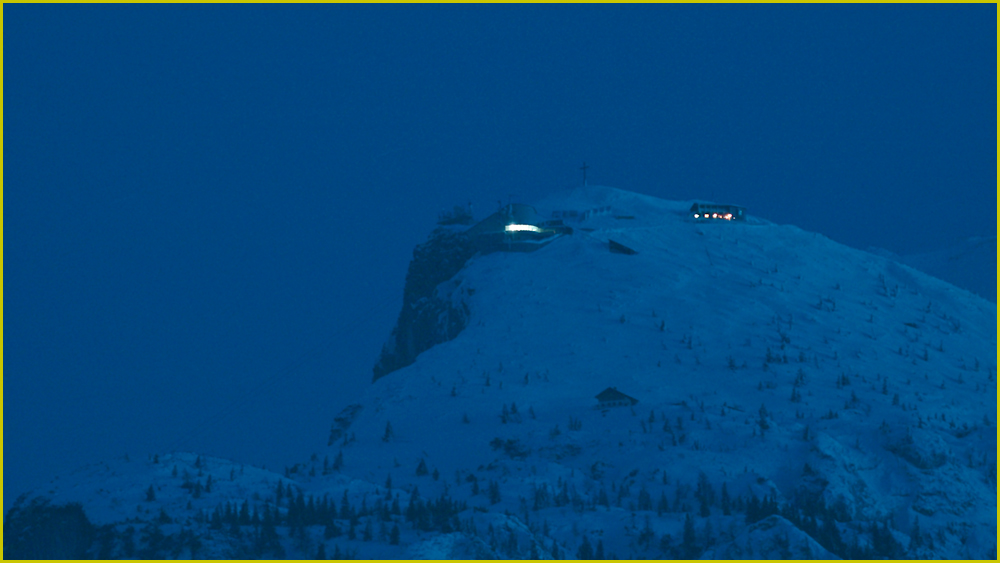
(428, 316)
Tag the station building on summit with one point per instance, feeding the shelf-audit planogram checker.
(717, 212)
(516, 227)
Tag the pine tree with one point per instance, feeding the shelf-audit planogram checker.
(689, 544)
(150, 494)
(394, 535)
(511, 544)
(762, 419)
(704, 491)
(662, 505)
(421, 468)
(884, 544)
(585, 551)
(345, 507)
(244, 516)
(645, 501)
(916, 537)
(708, 534)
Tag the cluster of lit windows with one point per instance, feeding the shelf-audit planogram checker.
(513, 228)
(726, 216)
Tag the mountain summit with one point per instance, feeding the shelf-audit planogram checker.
(604, 374)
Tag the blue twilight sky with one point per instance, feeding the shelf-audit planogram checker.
(210, 209)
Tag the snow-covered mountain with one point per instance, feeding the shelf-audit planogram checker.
(970, 264)
(785, 396)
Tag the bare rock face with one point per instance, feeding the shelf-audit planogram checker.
(430, 315)
(343, 421)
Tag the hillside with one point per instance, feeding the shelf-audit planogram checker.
(796, 398)
(970, 264)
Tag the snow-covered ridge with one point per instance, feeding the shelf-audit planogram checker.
(796, 397)
(970, 264)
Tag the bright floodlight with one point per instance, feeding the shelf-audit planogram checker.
(512, 228)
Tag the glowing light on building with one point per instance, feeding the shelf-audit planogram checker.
(514, 228)
(712, 211)
(726, 216)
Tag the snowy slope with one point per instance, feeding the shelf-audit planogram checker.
(971, 264)
(794, 396)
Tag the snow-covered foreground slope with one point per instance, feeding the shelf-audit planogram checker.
(796, 398)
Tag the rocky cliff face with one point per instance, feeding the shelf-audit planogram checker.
(432, 313)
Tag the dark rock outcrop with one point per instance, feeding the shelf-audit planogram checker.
(429, 316)
(343, 421)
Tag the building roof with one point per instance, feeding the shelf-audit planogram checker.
(619, 248)
(613, 394)
(714, 206)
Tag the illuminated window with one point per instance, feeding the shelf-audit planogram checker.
(514, 228)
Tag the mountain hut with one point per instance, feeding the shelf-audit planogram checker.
(714, 211)
(612, 397)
